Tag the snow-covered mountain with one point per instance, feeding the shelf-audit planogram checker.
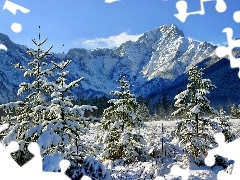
(156, 59)
(151, 64)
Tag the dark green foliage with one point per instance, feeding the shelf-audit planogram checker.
(225, 126)
(100, 102)
(122, 122)
(143, 111)
(88, 166)
(195, 132)
(235, 111)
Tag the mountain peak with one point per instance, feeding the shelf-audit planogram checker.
(167, 30)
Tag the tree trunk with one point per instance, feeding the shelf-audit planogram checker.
(196, 123)
(123, 123)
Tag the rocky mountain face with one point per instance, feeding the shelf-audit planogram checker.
(155, 63)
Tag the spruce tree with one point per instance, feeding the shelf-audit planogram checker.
(121, 124)
(235, 111)
(194, 132)
(46, 114)
(28, 112)
(64, 122)
(67, 122)
(143, 111)
(225, 126)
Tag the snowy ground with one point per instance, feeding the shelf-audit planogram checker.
(154, 167)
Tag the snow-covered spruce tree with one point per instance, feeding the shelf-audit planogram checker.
(225, 126)
(121, 124)
(143, 111)
(194, 132)
(65, 127)
(63, 121)
(46, 115)
(28, 113)
(235, 111)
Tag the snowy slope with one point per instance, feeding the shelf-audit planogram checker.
(154, 61)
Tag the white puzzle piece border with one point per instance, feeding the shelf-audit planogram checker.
(9, 169)
(13, 8)
(182, 7)
(228, 150)
(221, 7)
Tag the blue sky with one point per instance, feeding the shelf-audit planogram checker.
(95, 23)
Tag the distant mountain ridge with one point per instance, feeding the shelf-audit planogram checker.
(153, 64)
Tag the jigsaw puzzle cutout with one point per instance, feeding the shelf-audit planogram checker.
(177, 171)
(236, 16)
(159, 178)
(228, 150)
(11, 170)
(3, 47)
(223, 51)
(221, 7)
(182, 7)
(16, 27)
(12, 7)
(85, 178)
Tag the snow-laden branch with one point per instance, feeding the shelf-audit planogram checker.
(11, 105)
